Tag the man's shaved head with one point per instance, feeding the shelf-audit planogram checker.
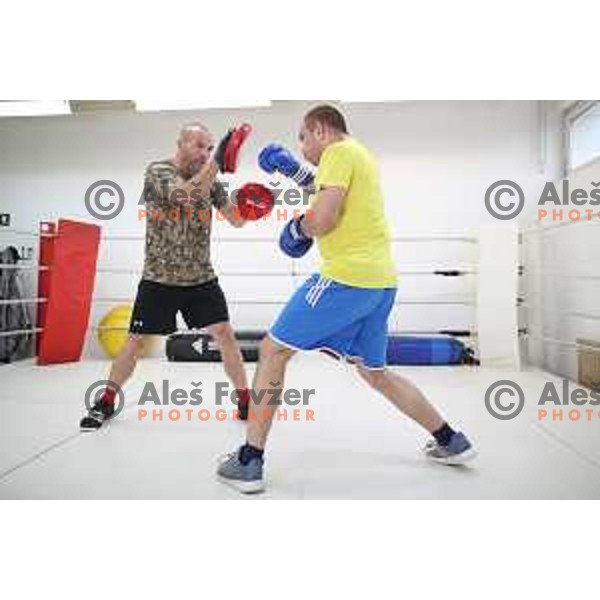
(194, 126)
(194, 148)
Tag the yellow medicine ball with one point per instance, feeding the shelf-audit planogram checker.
(113, 330)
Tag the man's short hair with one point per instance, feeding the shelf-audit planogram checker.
(326, 115)
(194, 126)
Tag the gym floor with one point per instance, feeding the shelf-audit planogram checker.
(357, 446)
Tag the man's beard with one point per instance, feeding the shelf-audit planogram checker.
(191, 169)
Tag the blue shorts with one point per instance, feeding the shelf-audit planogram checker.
(347, 321)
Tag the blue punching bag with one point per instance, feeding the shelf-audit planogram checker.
(421, 350)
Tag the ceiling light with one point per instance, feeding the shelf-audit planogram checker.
(157, 105)
(33, 108)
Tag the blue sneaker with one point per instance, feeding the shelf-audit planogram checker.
(247, 479)
(457, 452)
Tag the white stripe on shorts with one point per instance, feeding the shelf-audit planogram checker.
(307, 297)
(316, 291)
(312, 290)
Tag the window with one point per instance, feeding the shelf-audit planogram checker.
(583, 126)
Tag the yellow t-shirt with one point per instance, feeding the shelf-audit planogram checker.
(357, 250)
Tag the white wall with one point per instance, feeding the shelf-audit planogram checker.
(437, 160)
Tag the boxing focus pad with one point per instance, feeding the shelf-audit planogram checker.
(254, 201)
(293, 241)
(228, 151)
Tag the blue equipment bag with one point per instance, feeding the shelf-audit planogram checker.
(422, 350)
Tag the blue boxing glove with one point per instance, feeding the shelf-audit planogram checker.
(293, 241)
(275, 158)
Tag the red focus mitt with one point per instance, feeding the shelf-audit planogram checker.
(254, 201)
(228, 150)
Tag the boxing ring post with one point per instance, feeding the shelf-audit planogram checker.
(497, 321)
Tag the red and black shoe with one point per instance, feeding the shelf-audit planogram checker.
(100, 412)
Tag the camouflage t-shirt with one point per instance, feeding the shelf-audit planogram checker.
(177, 231)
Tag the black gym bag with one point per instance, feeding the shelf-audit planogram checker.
(199, 346)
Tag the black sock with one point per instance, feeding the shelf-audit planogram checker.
(443, 434)
(248, 452)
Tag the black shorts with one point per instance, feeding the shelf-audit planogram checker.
(157, 304)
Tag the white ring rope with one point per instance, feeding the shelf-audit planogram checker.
(551, 273)
(572, 314)
(274, 240)
(442, 237)
(565, 343)
(543, 229)
(444, 272)
(461, 302)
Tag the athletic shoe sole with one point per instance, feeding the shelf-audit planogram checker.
(245, 487)
(457, 459)
(86, 429)
(90, 427)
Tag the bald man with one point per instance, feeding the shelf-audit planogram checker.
(179, 194)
